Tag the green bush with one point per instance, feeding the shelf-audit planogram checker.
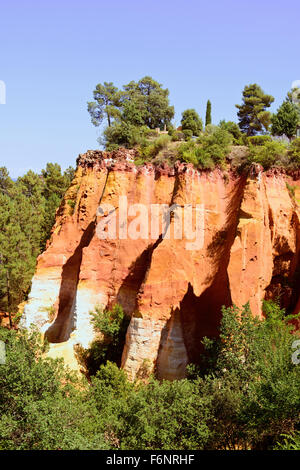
(112, 326)
(253, 384)
(123, 134)
(209, 150)
(294, 152)
(177, 136)
(216, 143)
(42, 405)
(244, 395)
(190, 152)
(234, 130)
(289, 442)
(259, 139)
(269, 154)
(191, 123)
(188, 134)
(149, 149)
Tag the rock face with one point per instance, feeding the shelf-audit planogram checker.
(227, 239)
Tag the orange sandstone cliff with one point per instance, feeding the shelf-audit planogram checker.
(248, 251)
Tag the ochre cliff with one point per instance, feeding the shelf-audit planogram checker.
(249, 250)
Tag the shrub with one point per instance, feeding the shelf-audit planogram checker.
(149, 149)
(112, 326)
(269, 154)
(167, 415)
(289, 442)
(251, 379)
(210, 148)
(259, 139)
(216, 143)
(233, 129)
(191, 122)
(177, 135)
(244, 395)
(294, 152)
(123, 134)
(188, 134)
(42, 405)
(190, 152)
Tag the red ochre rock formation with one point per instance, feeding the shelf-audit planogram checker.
(173, 291)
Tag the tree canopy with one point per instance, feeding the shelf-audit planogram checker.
(243, 393)
(106, 105)
(252, 113)
(286, 120)
(140, 107)
(191, 121)
(28, 203)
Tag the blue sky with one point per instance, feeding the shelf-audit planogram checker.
(52, 54)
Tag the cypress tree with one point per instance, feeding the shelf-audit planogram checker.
(208, 113)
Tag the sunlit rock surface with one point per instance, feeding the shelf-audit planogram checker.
(173, 290)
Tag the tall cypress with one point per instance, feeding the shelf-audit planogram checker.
(208, 113)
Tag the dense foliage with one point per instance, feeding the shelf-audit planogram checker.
(243, 395)
(29, 202)
(132, 112)
(285, 121)
(191, 124)
(208, 113)
(209, 150)
(110, 326)
(136, 114)
(252, 113)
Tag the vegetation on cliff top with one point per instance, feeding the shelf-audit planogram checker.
(244, 396)
(137, 116)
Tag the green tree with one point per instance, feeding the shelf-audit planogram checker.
(107, 103)
(32, 187)
(253, 384)
(252, 113)
(191, 121)
(144, 105)
(69, 175)
(231, 127)
(29, 202)
(208, 113)
(270, 153)
(18, 244)
(286, 120)
(43, 406)
(55, 186)
(110, 326)
(167, 415)
(149, 103)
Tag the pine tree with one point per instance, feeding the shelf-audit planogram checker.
(107, 102)
(16, 258)
(55, 186)
(286, 120)
(32, 186)
(208, 113)
(253, 115)
(26, 218)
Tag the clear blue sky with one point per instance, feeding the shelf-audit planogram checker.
(53, 53)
